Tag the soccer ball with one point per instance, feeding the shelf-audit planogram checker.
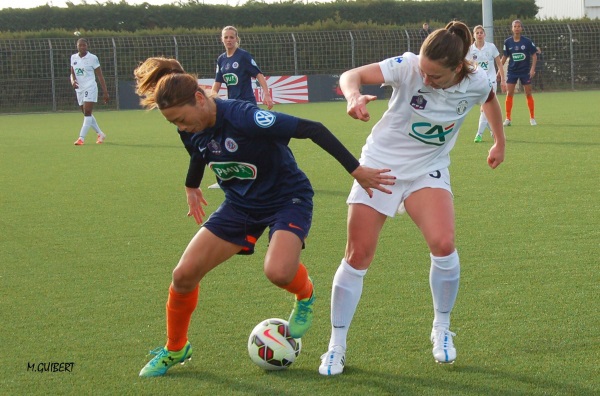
(77, 33)
(271, 346)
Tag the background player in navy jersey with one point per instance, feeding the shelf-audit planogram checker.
(522, 58)
(247, 148)
(236, 67)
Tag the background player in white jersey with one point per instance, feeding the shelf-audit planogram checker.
(485, 54)
(85, 67)
(432, 94)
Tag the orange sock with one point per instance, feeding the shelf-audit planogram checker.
(301, 286)
(531, 106)
(508, 105)
(179, 314)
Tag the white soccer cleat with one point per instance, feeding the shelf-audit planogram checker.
(443, 345)
(532, 122)
(506, 122)
(332, 362)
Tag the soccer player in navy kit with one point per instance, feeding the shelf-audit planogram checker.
(247, 148)
(236, 67)
(521, 53)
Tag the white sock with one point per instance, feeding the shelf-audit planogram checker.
(443, 279)
(96, 126)
(482, 123)
(87, 123)
(345, 295)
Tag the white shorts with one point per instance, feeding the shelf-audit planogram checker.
(87, 95)
(390, 204)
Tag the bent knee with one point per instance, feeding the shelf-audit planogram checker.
(185, 278)
(358, 258)
(279, 276)
(443, 247)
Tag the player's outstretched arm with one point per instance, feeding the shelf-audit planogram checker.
(368, 178)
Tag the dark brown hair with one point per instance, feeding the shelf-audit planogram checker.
(162, 83)
(449, 46)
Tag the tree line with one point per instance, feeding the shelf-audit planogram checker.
(193, 15)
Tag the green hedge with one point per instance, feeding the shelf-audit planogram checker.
(121, 17)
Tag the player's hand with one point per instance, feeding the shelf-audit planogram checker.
(195, 201)
(532, 73)
(105, 97)
(503, 86)
(370, 179)
(495, 156)
(357, 107)
(268, 101)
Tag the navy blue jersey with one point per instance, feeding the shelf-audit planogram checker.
(247, 149)
(237, 72)
(519, 54)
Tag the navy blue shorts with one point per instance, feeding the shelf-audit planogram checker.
(513, 78)
(243, 228)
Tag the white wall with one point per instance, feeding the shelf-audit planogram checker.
(560, 9)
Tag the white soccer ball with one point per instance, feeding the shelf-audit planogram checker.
(271, 346)
(77, 33)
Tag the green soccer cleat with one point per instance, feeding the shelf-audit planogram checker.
(477, 139)
(165, 359)
(301, 317)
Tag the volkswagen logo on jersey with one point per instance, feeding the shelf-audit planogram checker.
(264, 119)
(231, 145)
(418, 102)
(462, 107)
(236, 65)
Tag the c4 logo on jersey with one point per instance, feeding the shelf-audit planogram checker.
(264, 119)
(230, 170)
(431, 134)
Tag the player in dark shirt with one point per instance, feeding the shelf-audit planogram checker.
(521, 54)
(247, 148)
(236, 68)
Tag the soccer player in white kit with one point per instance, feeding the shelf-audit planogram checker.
(85, 67)
(485, 54)
(432, 94)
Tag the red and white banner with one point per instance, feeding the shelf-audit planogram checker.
(284, 89)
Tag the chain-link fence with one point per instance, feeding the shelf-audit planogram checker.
(34, 74)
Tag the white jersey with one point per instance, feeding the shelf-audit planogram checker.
(416, 133)
(485, 58)
(84, 69)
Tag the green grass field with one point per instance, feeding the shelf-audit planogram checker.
(91, 234)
